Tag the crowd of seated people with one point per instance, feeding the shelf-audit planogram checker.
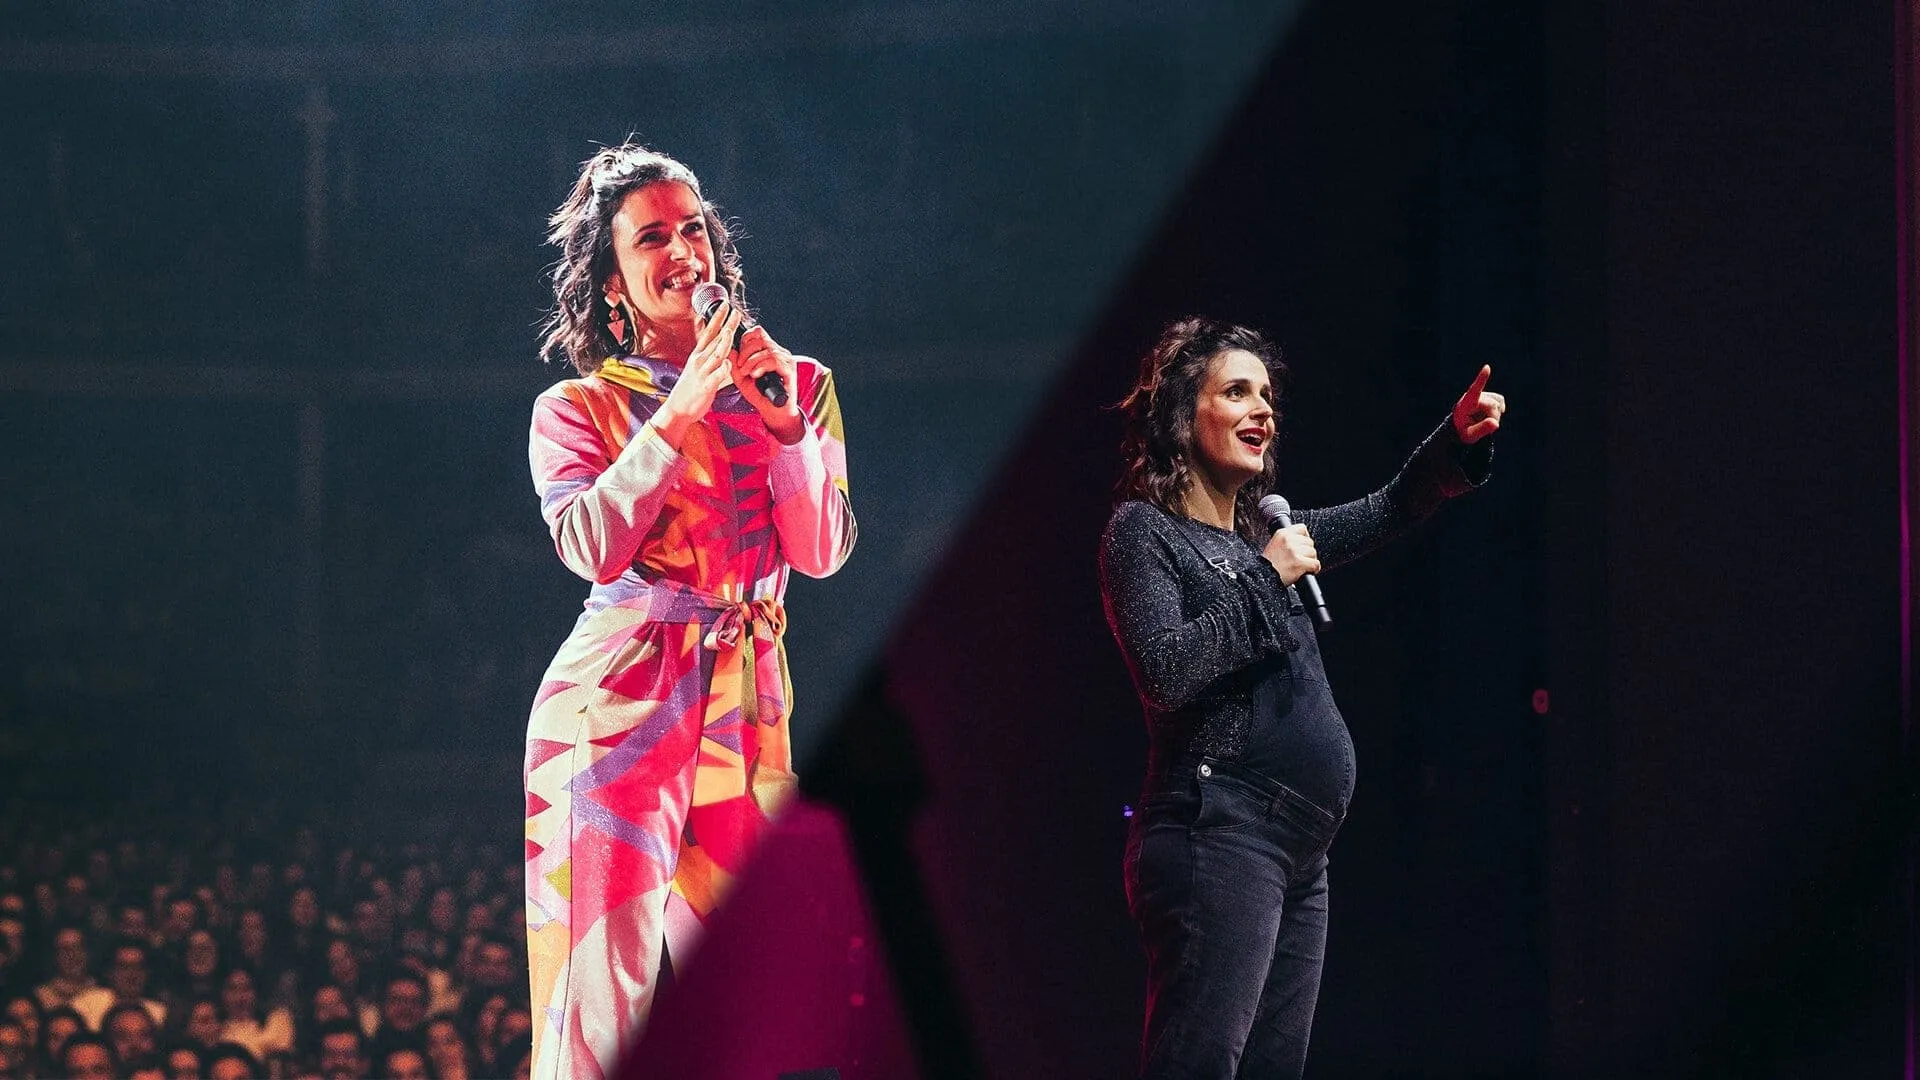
(157, 952)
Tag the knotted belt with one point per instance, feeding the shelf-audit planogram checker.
(731, 639)
(730, 626)
(740, 618)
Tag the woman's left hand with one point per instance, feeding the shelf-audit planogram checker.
(758, 354)
(1477, 414)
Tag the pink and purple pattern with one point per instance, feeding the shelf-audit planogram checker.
(658, 749)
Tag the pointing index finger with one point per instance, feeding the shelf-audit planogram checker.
(1479, 381)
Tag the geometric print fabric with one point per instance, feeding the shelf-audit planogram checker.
(658, 748)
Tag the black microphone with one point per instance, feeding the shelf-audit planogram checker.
(1280, 516)
(707, 298)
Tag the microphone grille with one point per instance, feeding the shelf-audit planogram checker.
(707, 298)
(1275, 507)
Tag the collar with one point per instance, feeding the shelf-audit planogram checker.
(641, 374)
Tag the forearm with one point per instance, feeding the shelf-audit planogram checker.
(811, 511)
(597, 510)
(1172, 665)
(1174, 658)
(1439, 469)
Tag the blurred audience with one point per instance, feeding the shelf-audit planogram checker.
(127, 974)
(156, 947)
(86, 1056)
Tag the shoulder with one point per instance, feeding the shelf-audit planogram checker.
(577, 393)
(1138, 514)
(811, 373)
(589, 408)
(1134, 523)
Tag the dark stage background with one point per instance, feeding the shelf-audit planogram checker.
(1633, 795)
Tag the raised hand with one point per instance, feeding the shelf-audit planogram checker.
(1477, 414)
(706, 371)
(1292, 553)
(757, 355)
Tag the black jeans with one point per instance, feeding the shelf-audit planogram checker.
(1227, 880)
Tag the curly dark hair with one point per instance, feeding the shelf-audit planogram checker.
(1160, 409)
(582, 229)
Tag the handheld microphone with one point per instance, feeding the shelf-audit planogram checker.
(1279, 515)
(707, 298)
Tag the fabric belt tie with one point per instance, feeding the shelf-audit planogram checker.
(740, 619)
(731, 639)
(728, 629)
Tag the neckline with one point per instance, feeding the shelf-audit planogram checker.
(1207, 525)
(636, 360)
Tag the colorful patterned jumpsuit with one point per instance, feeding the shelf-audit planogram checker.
(657, 750)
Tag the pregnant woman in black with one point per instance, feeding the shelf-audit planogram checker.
(1249, 763)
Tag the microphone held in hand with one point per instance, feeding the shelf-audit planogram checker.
(1279, 515)
(707, 298)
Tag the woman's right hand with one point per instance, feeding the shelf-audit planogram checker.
(706, 371)
(1292, 553)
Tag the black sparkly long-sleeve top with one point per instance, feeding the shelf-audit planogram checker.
(1222, 653)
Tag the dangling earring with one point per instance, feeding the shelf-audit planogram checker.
(617, 321)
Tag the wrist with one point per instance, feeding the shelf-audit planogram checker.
(788, 428)
(1282, 572)
(671, 424)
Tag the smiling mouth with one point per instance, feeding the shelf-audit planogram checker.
(686, 279)
(1255, 439)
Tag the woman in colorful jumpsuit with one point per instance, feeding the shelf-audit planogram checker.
(1249, 763)
(657, 752)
